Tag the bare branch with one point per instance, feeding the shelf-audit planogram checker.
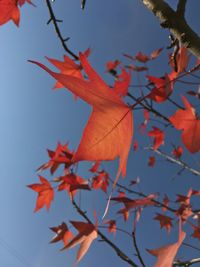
(186, 263)
(174, 160)
(137, 249)
(55, 23)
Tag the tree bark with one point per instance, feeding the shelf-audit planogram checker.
(176, 23)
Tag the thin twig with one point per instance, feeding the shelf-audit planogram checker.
(174, 160)
(137, 250)
(57, 29)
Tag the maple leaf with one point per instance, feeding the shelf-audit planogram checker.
(165, 203)
(151, 161)
(61, 155)
(111, 67)
(185, 209)
(196, 233)
(163, 87)
(135, 203)
(187, 121)
(101, 181)
(112, 226)
(87, 233)
(71, 183)
(141, 57)
(95, 166)
(122, 83)
(125, 213)
(166, 254)
(45, 193)
(109, 131)
(62, 233)
(9, 10)
(158, 136)
(68, 66)
(165, 221)
(137, 68)
(182, 60)
(156, 53)
(177, 152)
(135, 145)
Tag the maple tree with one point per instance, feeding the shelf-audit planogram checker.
(109, 134)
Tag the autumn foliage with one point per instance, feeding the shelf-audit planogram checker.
(109, 135)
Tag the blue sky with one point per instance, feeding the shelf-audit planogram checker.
(34, 117)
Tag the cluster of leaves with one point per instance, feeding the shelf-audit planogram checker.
(108, 135)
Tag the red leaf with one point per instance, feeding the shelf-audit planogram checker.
(68, 66)
(61, 155)
(71, 183)
(134, 203)
(165, 255)
(165, 202)
(87, 233)
(165, 221)
(112, 226)
(112, 65)
(122, 83)
(62, 233)
(158, 136)
(196, 233)
(95, 167)
(101, 181)
(142, 57)
(9, 10)
(177, 152)
(163, 87)
(156, 53)
(137, 68)
(187, 121)
(135, 145)
(45, 193)
(109, 131)
(182, 60)
(152, 161)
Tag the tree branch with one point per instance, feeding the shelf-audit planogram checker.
(186, 263)
(57, 29)
(181, 8)
(176, 23)
(173, 160)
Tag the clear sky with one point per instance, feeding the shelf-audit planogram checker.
(34, 117)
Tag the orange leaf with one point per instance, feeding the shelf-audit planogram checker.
(177, 152)
(45, 193)
(165, 255)
(72, 182)
(163, 87)
(152, 161)
(109, 131)
(62, 233)
(187, 121)
(165, 221)
(158, 136)
(101, 181)
(9, 10)
(112, 226)
(87, 233)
